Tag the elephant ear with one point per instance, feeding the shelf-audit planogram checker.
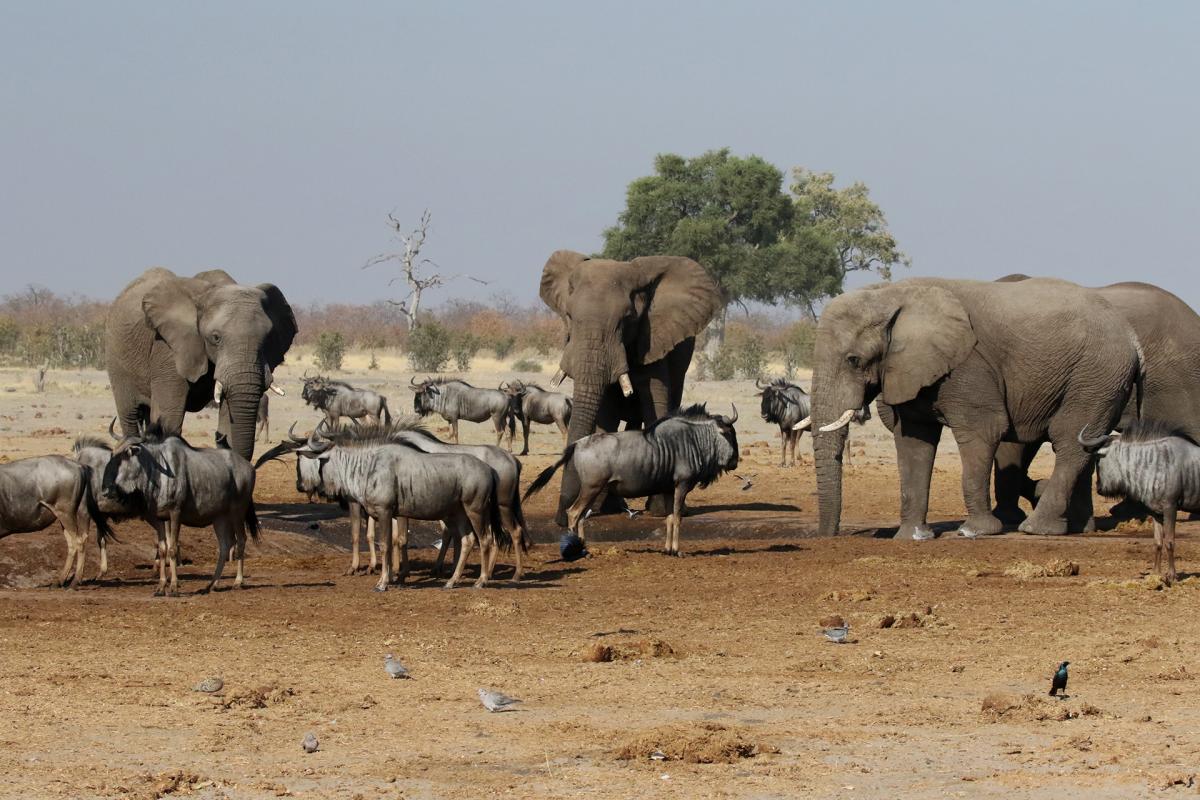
(682, 300)
(170, 310)
(556, 279)
(283, 324)
(930, 334)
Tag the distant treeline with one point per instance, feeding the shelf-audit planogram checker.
(39, 327)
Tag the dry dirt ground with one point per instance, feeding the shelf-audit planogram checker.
(714, 661)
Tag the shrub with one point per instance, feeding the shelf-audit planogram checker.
(526, 365)
(429, 347)
(465, 346)
(331, 349)
(503, 346)
(797, 347)
(720, 367)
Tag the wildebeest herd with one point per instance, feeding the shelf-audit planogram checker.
(1103, 374)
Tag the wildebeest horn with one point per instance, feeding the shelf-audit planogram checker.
(412, 381)
(734, 418)
(292, 435)
(758, 384)
(504, 386)
(1092, 444)
(112, 426)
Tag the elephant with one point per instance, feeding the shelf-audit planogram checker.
(1015, 362)
(175, 344)
(1168, 331)
(631, 332)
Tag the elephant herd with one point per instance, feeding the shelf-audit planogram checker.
(1005, 365)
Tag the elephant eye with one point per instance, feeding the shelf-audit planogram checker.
(216, 337)
(854, 361)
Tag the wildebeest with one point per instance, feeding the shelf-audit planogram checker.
(1155, 465)
(687, 449)
(34, 492)
(339, 399)
(95, 453)
(183, 485)
(531, 403)
(455, 399)
(393, 479)
(785, 404)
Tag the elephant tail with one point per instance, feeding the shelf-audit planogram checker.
(542, 479)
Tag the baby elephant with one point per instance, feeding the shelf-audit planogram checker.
(680, 452)
(1152, 464)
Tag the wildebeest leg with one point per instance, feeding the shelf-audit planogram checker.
(383, 522)
(224, 533)
(487, 545)
(525, 433)
(509, 520)
(1169, 541)
(783, 443)
(454, 431)
(239, 540)
(160, 534)
(575, 514)
(103, 545)
(1158, 543)
(373, 564)
(498, 424)
(65, 573)
(675, 521)
(172, 547)
(355, 533)
(462, 529)
(400, 543)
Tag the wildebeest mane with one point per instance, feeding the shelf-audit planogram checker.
(697, 412)
(88, 440)
(1150, 430)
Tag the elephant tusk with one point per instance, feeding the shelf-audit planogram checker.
(218, 390)
(841, 422)
(803, 424)
(275, 388)
(558, 378)
(626, 384)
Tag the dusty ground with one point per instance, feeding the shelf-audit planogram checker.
(714, 657)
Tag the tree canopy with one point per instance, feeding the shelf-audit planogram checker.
(733, 216)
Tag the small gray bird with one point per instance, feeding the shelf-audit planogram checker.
(310, 743)
(209, 685)
(496, 701)
(837, 635)
(394, 667)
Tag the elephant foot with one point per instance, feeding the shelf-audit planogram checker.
(1010, 515)
(1043, 527)
(986, 525)
(918, 533)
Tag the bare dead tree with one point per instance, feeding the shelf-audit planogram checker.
(411, 267)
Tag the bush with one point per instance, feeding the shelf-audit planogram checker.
(798, 347)
(429, 347)
(503, 346)
(527, 365)
(465, 346)
(331, 349)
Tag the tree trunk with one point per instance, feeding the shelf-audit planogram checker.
(715, 334)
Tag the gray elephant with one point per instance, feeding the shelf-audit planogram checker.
(994, 362)
(631, 328)
(174, 344)
(1168, 331)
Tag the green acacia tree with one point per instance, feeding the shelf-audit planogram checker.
(731, 215)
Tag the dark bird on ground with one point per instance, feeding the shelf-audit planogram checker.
(571, 547)
(1059, 683)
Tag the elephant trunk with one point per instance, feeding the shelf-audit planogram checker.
(585, 406)
(242, 394)
(828, 408)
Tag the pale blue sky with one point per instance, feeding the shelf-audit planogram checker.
(271, 138)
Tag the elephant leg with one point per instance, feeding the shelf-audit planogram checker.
(977, 454)
(1050, 516)
(916, 447)
(1012, 471)
(608, 419)
(653, 396)
(1080, 516)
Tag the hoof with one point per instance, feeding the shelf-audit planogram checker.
(447, 585)
(379, 588)
(205, 590)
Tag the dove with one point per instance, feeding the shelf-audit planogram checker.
(310, 743)
(496, 701)
(1059, 682)
(209, 685)
(837, 635)
(394, 667)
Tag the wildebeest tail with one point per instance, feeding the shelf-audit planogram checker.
(503, 537)
(570, 408)
(518, 511)
(99, 519)
(542, 479)
(252, 521)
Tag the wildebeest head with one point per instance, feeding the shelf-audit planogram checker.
(729, 435)
(515, 390)
(775, 399)
(424, 392)
(311, 457)
(134, 466)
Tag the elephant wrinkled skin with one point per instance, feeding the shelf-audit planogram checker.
(174, 344)
(631, 328)
(1013, 362)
